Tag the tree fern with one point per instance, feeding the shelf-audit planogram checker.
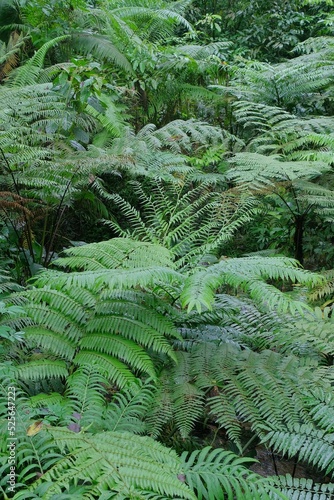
(271, 129)
(258, 170)
(283, 84)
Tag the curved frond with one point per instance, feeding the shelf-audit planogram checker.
(210, 472)
(248, 274)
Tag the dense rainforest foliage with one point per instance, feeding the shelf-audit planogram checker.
(167, 249)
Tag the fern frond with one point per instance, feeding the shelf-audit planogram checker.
(109, 367)
(325, 289)
(213, 473)
(309, 444)
(77, 318)
(303, 488)
(258, 170)
(43, 369)
(114, 279)
(103, 48)
(248, 274)
(29, 72)
(113, 254)
(86, 392)
(117, 461)
(46, 339)
(128, 409)
(313, 335)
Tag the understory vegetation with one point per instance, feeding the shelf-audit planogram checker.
(167, 249)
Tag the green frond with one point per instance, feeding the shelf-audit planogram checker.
(46, 339)
(114, 254)
(63, 303)
(162, 410)
(114, 279)
(126, 350)
(111, 119)
(108, 366)
(325, 289)
(29, 72)
(306, 442)
(43, 369)
(34, 454)
(119, 462)
(213, 473)
(128, 409)
(139, 230)
(226, 417)
(284, 83)
(102, 48)
(86, 393)
(259, 171)
(187, 216)
(239, 389)
(248, 274)
(53, 319)
(180, 135)
(187, 399)
(77, 318)
(303, 488)
(44, 400)
(313, 336)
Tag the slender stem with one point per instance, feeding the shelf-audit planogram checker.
(294, 467)
(9, 170)
(19, 247)
(43, 235)
(285, 203)
(26, 220)
(274, 462)
(49, 253)
(59, 214)
(245, 448)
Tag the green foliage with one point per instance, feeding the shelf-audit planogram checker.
(129, 409)
(197, 157)
(134, 467)
(93, 316)
(302, 489)
(211, 471)
(240, 388)
(313, 335)
(247, 274)
(190, 220)
(117, 253)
